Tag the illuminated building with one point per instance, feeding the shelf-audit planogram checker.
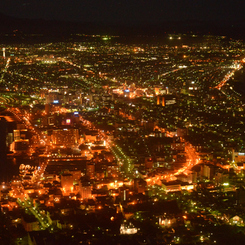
(149, 163)
(47, 108)
(150, 125)
(157, 91)
(90, 136)
(169, 99)
(85, 189)
(58, 96)
(56, 165)
(90, 169)
(112, 170)
(205, 171)
(236, 220)
(98, 149)
(128, 229)
(140, 185)
(166, 100)
(160, 100)
(20, 134)
(100, 174)
(67, 121)
(238, 156)
(67, 183)
(50, 120)
(124, 192)
(4, 53)
(65, 136)
(52, 97)
(171, 186)
(166, 221)
(126, 92)
(76, 175)
(177, 145)
(181, 132)
(20, 146)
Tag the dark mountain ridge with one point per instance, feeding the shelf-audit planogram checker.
(20, 28)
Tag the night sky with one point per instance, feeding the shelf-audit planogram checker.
(126, 11)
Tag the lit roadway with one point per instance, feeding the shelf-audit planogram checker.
(229, 75)
(169, 72)
(38, 174)
(193, 159)
(22, 75)
(122, 158)
(116, 150)
(41, 217)
(75, 65)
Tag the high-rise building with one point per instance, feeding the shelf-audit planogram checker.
(65, 136)
(85, 188)
(4, 53)
(67, 183)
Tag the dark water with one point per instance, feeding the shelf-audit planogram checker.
(239, 81)
(240, 87)
(11, 169)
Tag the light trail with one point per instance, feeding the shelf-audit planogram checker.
(237, 67)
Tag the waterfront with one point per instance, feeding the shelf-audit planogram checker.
(239, 84)
(13, 164)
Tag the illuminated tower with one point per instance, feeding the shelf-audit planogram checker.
(158, 100)
(163, 101)
(4, 53)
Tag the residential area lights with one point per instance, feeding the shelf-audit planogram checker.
(109, 142)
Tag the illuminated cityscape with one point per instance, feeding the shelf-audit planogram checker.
(104, 141)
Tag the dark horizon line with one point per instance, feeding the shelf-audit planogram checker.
(135, 22)
(63, 27)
